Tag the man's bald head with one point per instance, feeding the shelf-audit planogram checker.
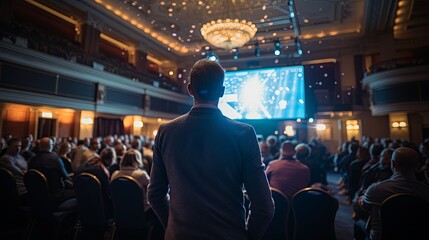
(405, 159)
(46, 144)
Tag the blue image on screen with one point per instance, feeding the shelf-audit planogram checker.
(269, 93)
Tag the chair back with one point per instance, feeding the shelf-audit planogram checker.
(128, 206)
(90, 205)
(314, 212)
(9, 200)
(277, 230)
(404, 216)
(38, 194)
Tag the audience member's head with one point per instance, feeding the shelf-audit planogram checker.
(363, 153)
(345, 146)
(303, 151)
(136, 144)
(265, 149)
(2, 144)
(120, 150)
(26, 143)
(89, 158)
(206, 81)
(405, 160)
(353, 147)
(424, 148)
(132, 159)
(13, 146)
(287, 150)
(394, 145)
(108, 156)
(46, 144)
(65, 148)
(109, 140)
(94, 144)
(271, 141)
(375, 150)
(385, 157)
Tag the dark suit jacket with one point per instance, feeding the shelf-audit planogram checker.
(52, 167)
(201, 160)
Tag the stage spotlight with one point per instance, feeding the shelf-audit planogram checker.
(257, 50)
(277, 48)
(235, 53)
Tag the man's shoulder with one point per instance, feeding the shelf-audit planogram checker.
(5, 157)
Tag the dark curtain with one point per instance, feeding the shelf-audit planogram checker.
(108, 126)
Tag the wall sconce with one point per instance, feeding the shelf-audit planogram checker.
(400, 124)
(46, 115)
(352, 125)
(138, 124)
(289, 131)
(86, 120)
(320, 127)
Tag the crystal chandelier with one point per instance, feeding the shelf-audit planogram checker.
(228, 33)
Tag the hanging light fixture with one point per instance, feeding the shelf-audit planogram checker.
(277, 49)
(228, 33)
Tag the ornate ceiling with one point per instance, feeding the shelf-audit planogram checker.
(171, 28)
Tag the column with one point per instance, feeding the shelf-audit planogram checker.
(90, 38)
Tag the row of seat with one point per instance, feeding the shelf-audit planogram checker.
(82, 217)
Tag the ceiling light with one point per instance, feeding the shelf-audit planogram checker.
(228, 33)
(277, 48)
(235, 53)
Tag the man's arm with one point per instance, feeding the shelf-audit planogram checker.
(5, 162)
(258, 190)
(157, 192)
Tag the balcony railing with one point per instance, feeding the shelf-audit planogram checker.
(36, 39)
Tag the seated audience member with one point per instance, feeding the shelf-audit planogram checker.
(92, 164)
(341, 152)
(147, 149)
(136, 144)
(132, 165)
(3, 146)
(120, 150)
(345, 164)
(272, 142)
(266, 155)
(52, 167)
(108, 157)
(16, 164)
(374, 152)
(404, 164)
(25, 149)
(76, 154)
(288, 174)
(95, 145)
(108, 142)
(378, 172)
(355, 171)
(65, 149)
(423, 171)
(318, 159)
